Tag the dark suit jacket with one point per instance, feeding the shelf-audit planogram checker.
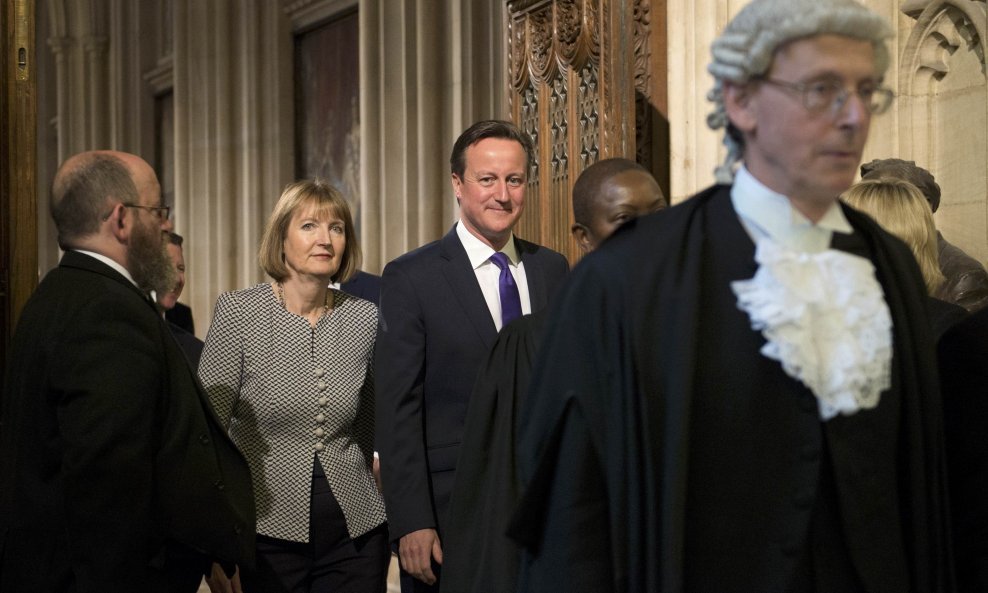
(114, 471)
(364, 285)
(181, 315)
(435, 332)
(190, 344)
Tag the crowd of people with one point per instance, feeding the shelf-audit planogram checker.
(779, 384)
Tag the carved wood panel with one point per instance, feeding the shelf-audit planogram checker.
(587, 82)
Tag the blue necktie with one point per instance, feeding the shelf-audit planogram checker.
(508, 290)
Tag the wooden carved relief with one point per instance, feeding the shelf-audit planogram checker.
(530, 125)
(588, 105)
(573, 88)
(643, 111)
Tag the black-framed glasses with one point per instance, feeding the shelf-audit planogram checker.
(824, 95)
(162, 212)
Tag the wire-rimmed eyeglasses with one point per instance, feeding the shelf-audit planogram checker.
(822, 95)
(162, 212)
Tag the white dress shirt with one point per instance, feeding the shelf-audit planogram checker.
(488, 273)
(765, 213)
(112, 263)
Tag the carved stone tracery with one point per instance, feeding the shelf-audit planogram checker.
(947, 34)
(942, 26)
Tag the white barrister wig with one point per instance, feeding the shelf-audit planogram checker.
(746, 47)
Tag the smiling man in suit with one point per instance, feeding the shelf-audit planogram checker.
(115, 475)
(441, 308)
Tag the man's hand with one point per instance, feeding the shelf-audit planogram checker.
(416, 551)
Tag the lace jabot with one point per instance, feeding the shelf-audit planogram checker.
(825, 320)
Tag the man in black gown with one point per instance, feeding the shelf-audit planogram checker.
(739, 393)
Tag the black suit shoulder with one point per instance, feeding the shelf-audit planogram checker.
(190, 344)
(181, 315)
(364, 285)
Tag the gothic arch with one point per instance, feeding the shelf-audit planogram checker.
(943, 111)
(942, 26)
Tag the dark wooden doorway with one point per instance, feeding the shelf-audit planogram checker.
(588, 82)
(18, 177)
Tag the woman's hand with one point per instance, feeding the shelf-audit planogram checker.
(220, 583)
(376, 469)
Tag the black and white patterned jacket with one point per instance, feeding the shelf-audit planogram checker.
(288, 391)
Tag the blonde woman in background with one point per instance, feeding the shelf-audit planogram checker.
(901, 209)
(288, 369)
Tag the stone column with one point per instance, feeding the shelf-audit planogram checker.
(233, 138)
(428, 69)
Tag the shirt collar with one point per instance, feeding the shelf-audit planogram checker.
(773, 215)
(112, 263)
(479, 252)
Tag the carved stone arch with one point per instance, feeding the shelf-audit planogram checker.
(942, 26)
(943, 101)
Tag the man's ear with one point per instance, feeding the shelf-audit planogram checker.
(457, 184)
(119, 222)
(582, 236)
(739, 103)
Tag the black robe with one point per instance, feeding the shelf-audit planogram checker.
(963, 354)
(605, 440)
(478, 557)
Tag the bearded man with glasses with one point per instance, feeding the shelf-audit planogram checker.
(738, 393)
(115, 476)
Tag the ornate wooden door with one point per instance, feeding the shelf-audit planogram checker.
(587, 82)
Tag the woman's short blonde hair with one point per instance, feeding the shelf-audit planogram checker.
(903, 211)
(327, 201)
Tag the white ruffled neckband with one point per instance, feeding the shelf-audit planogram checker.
(825, 319)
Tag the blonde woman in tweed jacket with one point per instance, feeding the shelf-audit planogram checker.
(288, 367)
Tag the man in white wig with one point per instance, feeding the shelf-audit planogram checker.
(739, 393)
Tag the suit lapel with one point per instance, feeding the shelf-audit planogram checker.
(463, 283)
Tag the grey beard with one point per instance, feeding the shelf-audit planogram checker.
(150, 264)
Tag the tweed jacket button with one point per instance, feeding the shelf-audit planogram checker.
(318, 446)
(321, 385)
(323, 401)
(320, 418)
(318, 372)
(319, 432)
